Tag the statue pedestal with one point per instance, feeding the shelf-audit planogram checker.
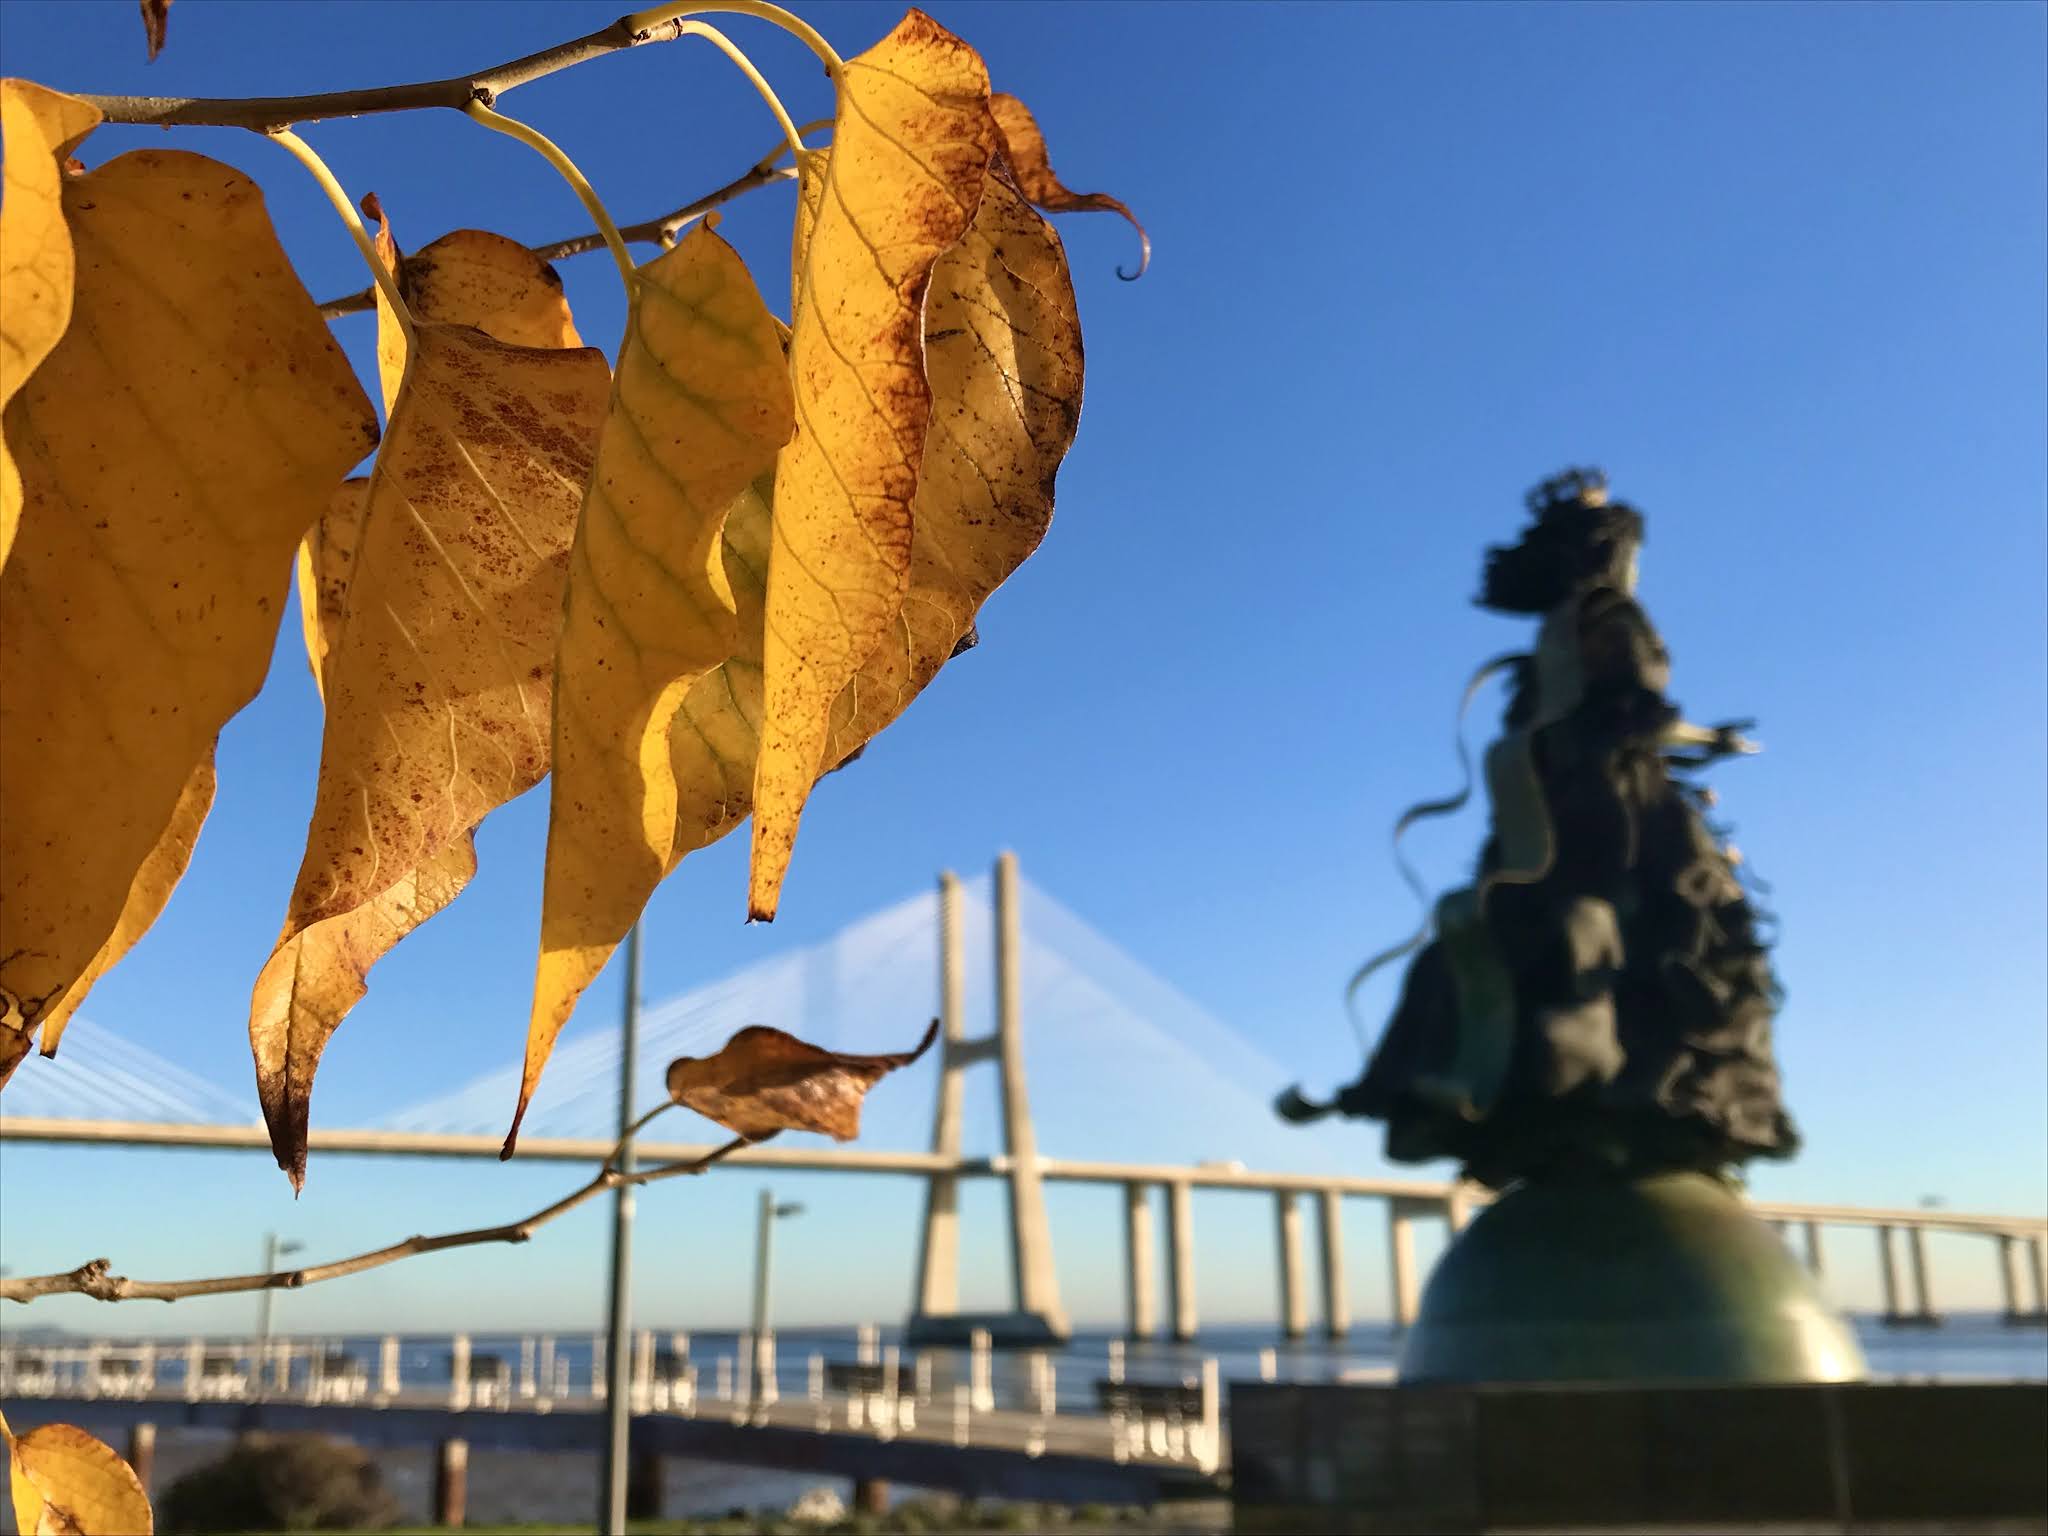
(1660, 1278)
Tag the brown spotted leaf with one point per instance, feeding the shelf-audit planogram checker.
(439, 684)
(1023, 148)
(1003, 352)
(452, 659)
(765, 1080)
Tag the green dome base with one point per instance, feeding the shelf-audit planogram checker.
(1660, 1278)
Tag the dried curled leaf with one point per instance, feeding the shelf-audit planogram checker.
(39, 128)
(699, 408)
(66, 1483)
(765, 1080)
(174, 446)
(911, 147)
(156, 23)
(1023, 149)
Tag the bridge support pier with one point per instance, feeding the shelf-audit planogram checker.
(938, 1264)
(1404, 1295)
(1888, 1274)
(1036, 1315)
(2016, 1257)
(1141, 1251)
(1293, 1278)
(1813, 1250)
(1330, 1228)
(1180, 1241)
(1923, 1314)
(870, 1496)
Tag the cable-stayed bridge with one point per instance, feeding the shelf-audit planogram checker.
(1066, 1023)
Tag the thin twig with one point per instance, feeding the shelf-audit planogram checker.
(97, 1280)
(267, 112)
(656, 231)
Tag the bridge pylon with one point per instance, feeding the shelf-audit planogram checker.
(1036, 1316)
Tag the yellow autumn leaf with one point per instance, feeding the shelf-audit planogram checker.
(473, 277)
(174, 446)
(1023, 150)
(327, 558)
(66, 1483)
(716, 734)
(438, 685)
(1003, 344)
(38, 128)
(911, 146)
(700, 405)
(468, 277)
(147, 897)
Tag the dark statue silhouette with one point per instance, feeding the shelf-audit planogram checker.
(1599, 999)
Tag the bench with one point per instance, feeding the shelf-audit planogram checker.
(867, 1379)
(342, 1377)
(1149, 1399)
(490, 1379)
(222, 1376)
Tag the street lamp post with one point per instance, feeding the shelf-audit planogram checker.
(619, 1314)
(764, 1242)
(273, 1250)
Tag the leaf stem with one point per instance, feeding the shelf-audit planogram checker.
(656, 231)
(670, 14)
(386, 279)
(746, 67)
(550, 151)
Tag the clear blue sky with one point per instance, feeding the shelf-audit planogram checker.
(1779, 268)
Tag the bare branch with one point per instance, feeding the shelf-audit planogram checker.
(266, 112)
(657, 231)
(97, 1280)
